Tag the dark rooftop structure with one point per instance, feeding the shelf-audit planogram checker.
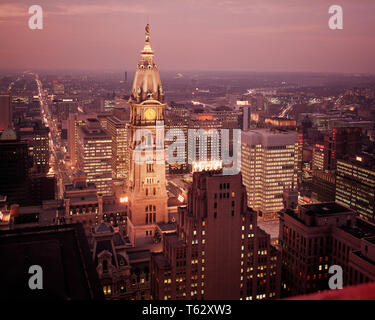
(324, 208)
(64, 256)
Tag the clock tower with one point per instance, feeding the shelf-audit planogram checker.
(146, 185)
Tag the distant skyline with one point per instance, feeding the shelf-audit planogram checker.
(197, 35)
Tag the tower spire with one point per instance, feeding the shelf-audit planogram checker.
(147, 48)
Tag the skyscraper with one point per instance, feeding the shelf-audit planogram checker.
(218, 251)
(95, 155)
(345, 141)
(5, 111)
(355, 185)
(269, 161)
(146, 187)
(118, 129)
(74, 122)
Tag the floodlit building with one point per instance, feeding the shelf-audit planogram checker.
(269, 160)
(146, 184)
(118, 129)
(95, 155)
(355, 185)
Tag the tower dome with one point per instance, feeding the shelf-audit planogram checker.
(147, 84)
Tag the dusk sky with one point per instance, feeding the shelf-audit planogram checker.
(238, 35)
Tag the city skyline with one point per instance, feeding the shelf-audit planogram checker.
(190, 35)
(211, 185)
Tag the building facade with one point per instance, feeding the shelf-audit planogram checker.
(5, 111)
(269, 164)
(355, 185)
(317, 236)
(146, 187)
(118, 129)
(95, 155)
(218, 252)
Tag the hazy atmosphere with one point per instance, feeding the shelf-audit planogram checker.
(288, 35)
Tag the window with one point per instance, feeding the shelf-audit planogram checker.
(105, 266)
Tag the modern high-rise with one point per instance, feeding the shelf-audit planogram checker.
(118, 129)
(355, 185)
(318, 157)
(269, 160)
(5, 111)
(218, 252)
(146, 185)
(95, 155)
(75, 121)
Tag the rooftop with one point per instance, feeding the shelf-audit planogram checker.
(269, 137)
(322, 209)
(49, 247)
(361, 229)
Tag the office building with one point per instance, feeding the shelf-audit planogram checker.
(345, 141)
(269, 161)
(95, 155)
(323, 186)
(5, 111)
(318, 157)
(74, 122)
(218, 252)
(355, 185)
(37, 136)
(118, 129)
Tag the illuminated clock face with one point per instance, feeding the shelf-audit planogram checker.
(150, 114)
